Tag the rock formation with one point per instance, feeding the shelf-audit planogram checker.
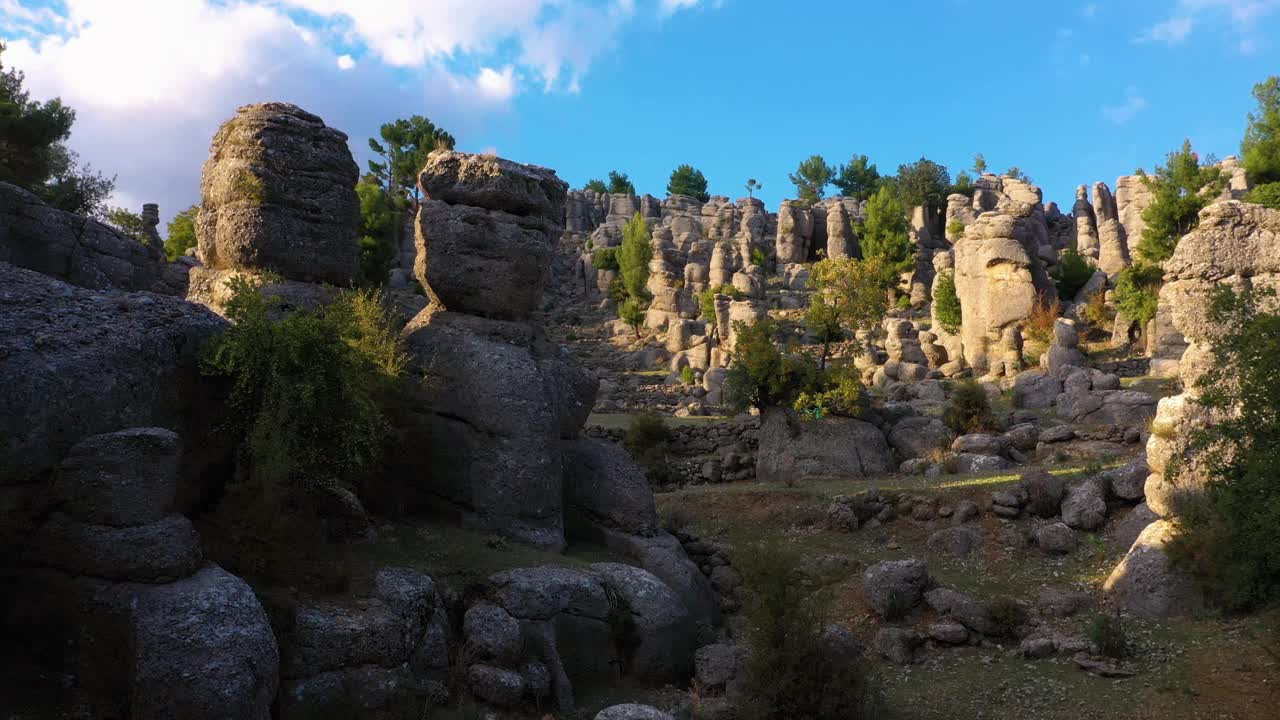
(278, 202)
(1113, 243)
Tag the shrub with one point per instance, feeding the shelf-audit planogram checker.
(1265, 195)
(631, 312)
(686, 375)
(1071, 274)
(1108, 633)
(759, 374)
(1260, 149)
(634, 256)
(793, 671)
(647, 439)
(839, 393)
(1137, 292)
(1229, 540)
(181, 233)
(1097, 311)
(955, 229)
(1180, 189)
(946, 303)
(904, 302)
(307, 410)
(1039, 325)
(885, 233)
(1007, 615)
(605, 259)
(758, 258)
(968, 410)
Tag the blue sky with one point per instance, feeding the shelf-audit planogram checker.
(1070, 92)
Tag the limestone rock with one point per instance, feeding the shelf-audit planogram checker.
(1147, 584)
(278, 194)
(962, 608)
(956, 542)
(122, 478)
(1056, 538)
(892, 587)
(165, 550)
(632, 711)
(898, 645)
(792, 450)
(917, 437)
(665, 632)
(603, 485)
(1084, 506)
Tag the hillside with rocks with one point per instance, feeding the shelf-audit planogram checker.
(514, 502)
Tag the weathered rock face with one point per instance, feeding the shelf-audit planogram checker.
(1086, 224)
(1132, 198)
(1113, 244)
(998, 277)
(78, 362)
(73, 248)
(1147, 584)
(795, 228)
(278, 195)
(792, 450)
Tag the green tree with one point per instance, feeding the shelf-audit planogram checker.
(1260, 150)
(923, 182)
(634, 257)
(946, 303)
(621, 184)
(1072, 273)
(631, 312)
(33, 151)
(596, 185)
(126, 221)
(1228, 539)
(857, 179)
(688, 181)
(759, 375)
(885, 233)
(1016, 173)
(811, 179)
(849, 297)
(379, 230)
(979, 165)
(404, 149)
(180, 236)
(1180, 189)
(963, 185)
(1137, 291)
(1265, 195)
(752, 186)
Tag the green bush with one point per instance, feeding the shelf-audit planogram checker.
(605, 259)
(1228, 536)
(1265, 195)
(631, 312)
(968, 410)
(885, 233)
(634, 256)
(1108, 633)
(307, 410)
(688, 181)
(758, 258)
(181, 234)
(1260, 149)
(904, 302)
(687, 376)
(793, 671)
(707, 301)
(1180, 189)
(839, 392)
(1137, 291)
(955, 229)
(1007, 615)
(759, 374)
(647, 440)
(1097, 312)
(946, 303)
(1072, 273)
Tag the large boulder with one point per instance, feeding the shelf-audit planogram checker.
(278, 194)
(663, 635)
(76, 363)
(603, 486)
(917, 437)
(73, 248)
(791, 449)
(1147, 584)
(893, 587)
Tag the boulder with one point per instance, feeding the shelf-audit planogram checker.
(793, 450)
(917, 437)
(948, 633)
(1147, 584)
(962, 608)
(980, 444)
(278, 194)
(1125, 532)
(73, 248)
(957, 542)
(631, 711)
(898, 645)
(892, 587)
(1056, 539)
(1054, 602)
(1126, 482)
(201, 648)
(1044, 492)
(716, 666)
(496, 685)
(127, 477)
(491, 633)
(161, 551)
(1084, 507)
(604, 486)
(663, 633)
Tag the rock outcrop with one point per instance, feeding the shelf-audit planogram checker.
(73, 248)
(277, 202)
(793, 450)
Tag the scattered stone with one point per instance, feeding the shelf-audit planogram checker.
(957, 542)
(898, 645)
(1084, 507)
(1062, 603)
(1056, 539)
(949, 633)
(893, 587)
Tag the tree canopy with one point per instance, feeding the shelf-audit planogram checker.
(688, 181)
(858, 179)
(923, 182)
(596, 185)
(620, 183)
(634, 257)
(885, 233)
(404, 149)
(181, 233)
(33, 151)
(1180, 189)
(849, 297)
(379, 213)
(811, 179)
(1260, 150)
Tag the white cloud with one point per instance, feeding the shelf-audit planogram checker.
(671, 7)
(1240, 18)
(1132, 104)
(1090, 10)
(152, 79)
(1170, 32)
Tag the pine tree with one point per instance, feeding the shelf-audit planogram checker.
(858, 179)
(1260, 149)
(1180, 189)
(408, 141)
(811, 179)
(885, 233)
(621, 184)
(634, 257)
(688, 181)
